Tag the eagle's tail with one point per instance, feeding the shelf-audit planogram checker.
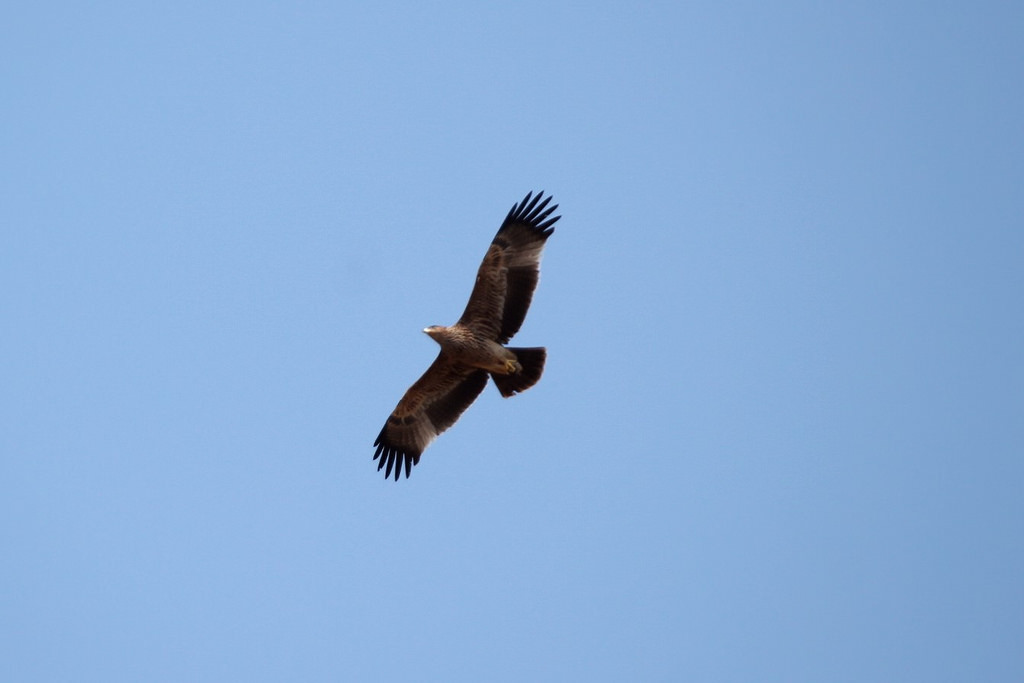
(532, 362)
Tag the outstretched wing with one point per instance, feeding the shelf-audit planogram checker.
(508, 275)
(429, 407)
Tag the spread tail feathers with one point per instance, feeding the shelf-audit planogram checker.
(532, 362)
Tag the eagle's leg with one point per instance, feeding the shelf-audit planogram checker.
(511, 367)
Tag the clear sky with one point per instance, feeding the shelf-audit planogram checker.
(780, 436)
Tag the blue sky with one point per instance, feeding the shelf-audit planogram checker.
(779, 436)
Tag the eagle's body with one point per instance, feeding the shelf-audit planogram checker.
(473, 348)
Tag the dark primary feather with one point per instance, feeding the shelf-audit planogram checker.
(530, 212)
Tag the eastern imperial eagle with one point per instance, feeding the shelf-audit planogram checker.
(472, 348)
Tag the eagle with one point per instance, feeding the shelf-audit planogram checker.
(473, 348)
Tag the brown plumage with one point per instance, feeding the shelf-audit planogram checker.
(472, 349)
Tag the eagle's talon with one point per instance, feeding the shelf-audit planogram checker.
(510, 367)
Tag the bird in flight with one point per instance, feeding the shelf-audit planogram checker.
(473, 348)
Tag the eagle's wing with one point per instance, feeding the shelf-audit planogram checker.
(429, 407)
(510, 270)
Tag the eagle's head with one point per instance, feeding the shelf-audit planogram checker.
(435, 332)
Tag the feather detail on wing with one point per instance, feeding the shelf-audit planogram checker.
(486, 305)
(429, 407)
(510, 270)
